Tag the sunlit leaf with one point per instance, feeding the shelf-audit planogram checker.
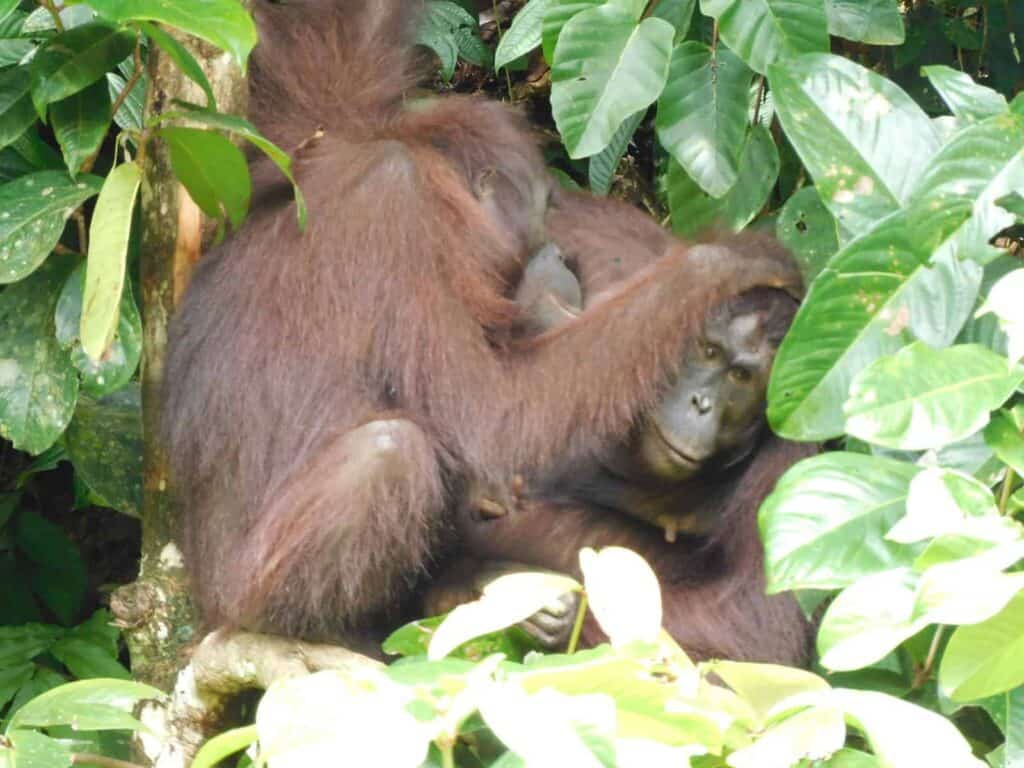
(524, 35)
(606, 68)
(765, 31)
(702, 114)
(924, 398)
(849, 125)
(225, 23)
(88, 705)
(876, 22)
(808, 230)
(824, 525)
(623, 593)
(964, 97)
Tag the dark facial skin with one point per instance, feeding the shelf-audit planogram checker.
(714, 409)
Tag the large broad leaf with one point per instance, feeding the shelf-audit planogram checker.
(524, 35)
(56, 572)
(886, 721)
(33, 210)
(808, 230)
(702, 114)
(108, 254)
(694, 211)
(38, 384)
(876, 22)
(556, 16)
(825, 523)
(115, 368)
(987, 658)
(104, 442)
(80, 122)
(88, 705)
(607, 67)
(964, 97)
(851, 128)
(956, 204)
(1004, 302)
(75, 59)
(875, 296)
(16, 112)
(678, 13)
(602, 166)
(225, 23)
(213, 170)
(1003, 435)
(246, 130)
(765, 31)
(923, 398)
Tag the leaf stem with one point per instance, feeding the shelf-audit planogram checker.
(58, 22)
(1007, 489)
(497, 26)
(577, 627)
(925, 672)
(447, 753)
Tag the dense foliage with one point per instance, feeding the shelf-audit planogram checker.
(884, 143)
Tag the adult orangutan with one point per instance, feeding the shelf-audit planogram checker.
(329, 393)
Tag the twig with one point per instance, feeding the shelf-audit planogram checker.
(129, 86)
(57, 21)
(925, 672)
(84, 758)
(83, 232)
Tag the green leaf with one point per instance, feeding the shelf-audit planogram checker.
(944, 502)
(678, 13)
(875, 22)
(87, 705)
(225, 23)
(848, 125)
(38, 385)
(297, 720)
(505, 601)
(606, 68)
(702, 114)
(623, 593)
(58, 573)
(955, 206)
(32, 749)
(964, 97)
(118, 365)
(808, 230)
(223, 745)
(181, 56)
(886, 721)
(105, 445)
(75, 59)
(90, 649)
(524, 35)
(694, 211)
(764, 686)
(213, 170)
(12, 678)
(129, 115)
(24, 643)
(1004, 437)
(764, 31)
(874, 297)
(921, 398)
(16, 111)
(108, 252)
(33, 210)
(80, 122)
(824, 526)
(556, 16)
(242, 127)
(603, 165)
(987, 658)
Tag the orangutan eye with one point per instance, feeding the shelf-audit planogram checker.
(712, 352)
(740, 375)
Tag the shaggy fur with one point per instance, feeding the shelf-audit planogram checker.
(328, 391)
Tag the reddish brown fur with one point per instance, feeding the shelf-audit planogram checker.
(392, 306)
(713, 588)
